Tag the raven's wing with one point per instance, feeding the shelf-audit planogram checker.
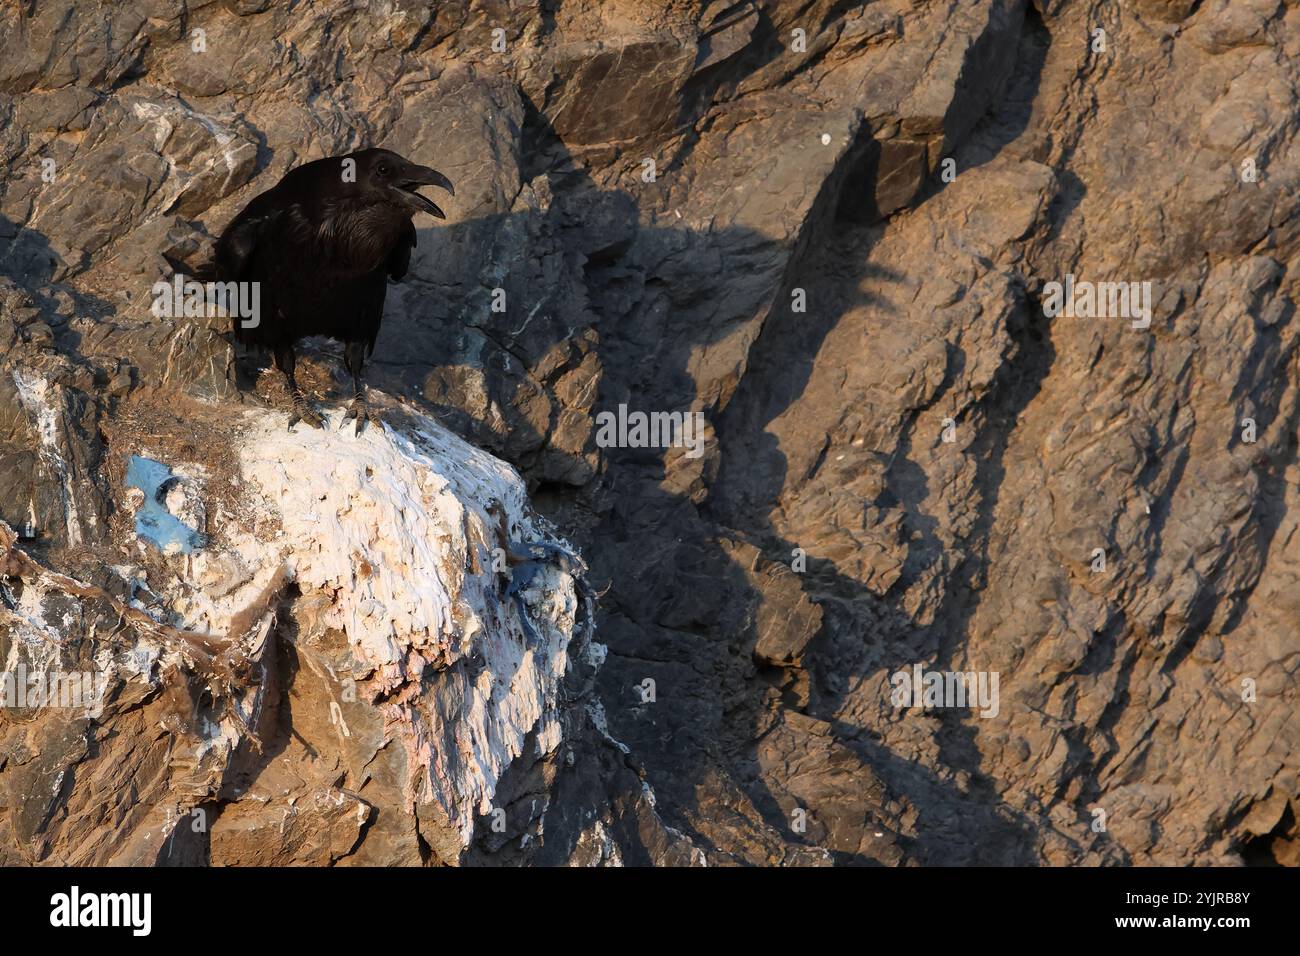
(236, 254)
(399, 260)
(372, 326)
(237, 244)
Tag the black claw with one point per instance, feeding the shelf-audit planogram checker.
(360, 411)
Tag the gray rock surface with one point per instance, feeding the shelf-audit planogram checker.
(831, 229)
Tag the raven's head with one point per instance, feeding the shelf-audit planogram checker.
(387, 177)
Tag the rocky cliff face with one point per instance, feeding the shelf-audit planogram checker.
(836, 230)
(304, 648)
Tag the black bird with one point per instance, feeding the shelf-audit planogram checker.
(322, 243)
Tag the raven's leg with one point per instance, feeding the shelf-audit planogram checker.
(354, 354)
(284, 361)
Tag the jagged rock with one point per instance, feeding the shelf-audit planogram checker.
(437, 686)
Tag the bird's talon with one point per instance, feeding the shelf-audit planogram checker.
(360, 411)
(302, 412)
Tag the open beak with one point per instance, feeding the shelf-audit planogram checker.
(414, 178)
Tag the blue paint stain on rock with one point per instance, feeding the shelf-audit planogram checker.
(153, 521)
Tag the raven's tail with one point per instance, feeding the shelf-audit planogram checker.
(200, 272)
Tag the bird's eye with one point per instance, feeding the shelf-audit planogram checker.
(383, 169)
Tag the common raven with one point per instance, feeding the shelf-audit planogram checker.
(322, 243)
